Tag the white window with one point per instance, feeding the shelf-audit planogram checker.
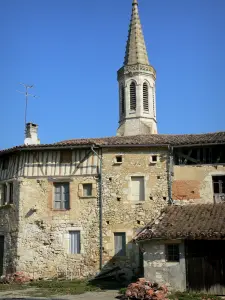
(120, 243)
(138, 188)
(87, 189)
(74, 240)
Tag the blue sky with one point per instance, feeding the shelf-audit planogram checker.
(72, 49)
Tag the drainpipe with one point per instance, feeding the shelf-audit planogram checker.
(169, 173)
(100, 207)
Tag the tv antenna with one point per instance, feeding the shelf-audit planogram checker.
(27, 94)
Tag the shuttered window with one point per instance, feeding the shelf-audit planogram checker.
(61, 195)
(74, 242)
(137, 188)
(122, 91)
(120, 243)
(10, 192)
(133, 97)
(145, 97)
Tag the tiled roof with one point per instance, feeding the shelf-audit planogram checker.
(193, 221)
(139, 140)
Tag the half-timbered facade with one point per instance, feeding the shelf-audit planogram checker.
(74, 207)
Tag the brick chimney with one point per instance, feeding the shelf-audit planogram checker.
(31, 134)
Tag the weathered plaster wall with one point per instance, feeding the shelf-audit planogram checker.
(43, 232)
(43, 243)
(120, 212)
(193, 184)
(157, 269)
(9, 220)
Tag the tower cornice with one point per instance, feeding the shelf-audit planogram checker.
(137, 68)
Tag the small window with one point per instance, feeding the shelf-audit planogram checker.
(154, 159)
(3, 194)
(133, 96)
(118, 159)
(61, 196)
(120, 243)
(5, 163)
(87, 189)
(74, 242)
(172, 253)
(10, 192)
(66, 157)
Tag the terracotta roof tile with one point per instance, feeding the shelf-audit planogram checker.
(199, 221)
(148, 140)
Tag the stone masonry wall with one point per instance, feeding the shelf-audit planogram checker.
(193, 184)
(9, 218)
(43, 241)
(120, 212)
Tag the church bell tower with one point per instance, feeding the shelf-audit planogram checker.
(137, 95)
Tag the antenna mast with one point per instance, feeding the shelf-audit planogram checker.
(27, 87)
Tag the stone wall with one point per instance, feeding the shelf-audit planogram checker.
(193, 184)
(157, 269)
(43, 242)
(120, 212)
(43, 233)
(9, 220)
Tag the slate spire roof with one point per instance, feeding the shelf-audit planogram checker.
(136, 52)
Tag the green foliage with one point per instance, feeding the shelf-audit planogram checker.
(192, 296)
(122, 291)
(65, 287)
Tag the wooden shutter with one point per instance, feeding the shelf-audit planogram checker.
(145, 97)
(132, 96)
(61, 196)
(65, 196)
(74, 242)
(120, 243)
(137, 188)
(122, 90)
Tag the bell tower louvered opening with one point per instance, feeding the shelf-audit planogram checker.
(145, 97)
(122, 96)
(133, 97)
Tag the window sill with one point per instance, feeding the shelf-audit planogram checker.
(6, 206)
(75, 255)
(87, 197)
(117, 163)
(60, 210)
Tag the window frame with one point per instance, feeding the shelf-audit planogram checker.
(172, 255)
(66, 202)
(124, 248)
(78, 242)
(87, 184)
(131, 188)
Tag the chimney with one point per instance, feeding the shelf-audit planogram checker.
(31, 134)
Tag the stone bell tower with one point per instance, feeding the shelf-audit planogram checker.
(137, 96)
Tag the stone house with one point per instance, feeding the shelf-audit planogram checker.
(184, 247)
(74, 207)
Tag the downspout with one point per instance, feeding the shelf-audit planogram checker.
(100, 207)
(169, 173)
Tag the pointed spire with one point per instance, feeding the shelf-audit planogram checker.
(136, 50)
